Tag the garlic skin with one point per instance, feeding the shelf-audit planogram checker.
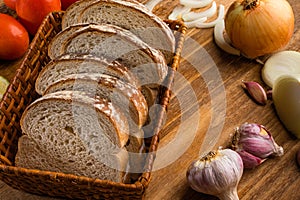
(256, 91)
(250, 161)
(255, 143)
(259, 27)
(218, 173)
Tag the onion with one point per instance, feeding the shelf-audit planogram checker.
(190, 16)
(152, 3)
(281, 63)
(195, 3)
(259, 27)
(178, 11)
(195, 23)
(286, 95)
(220, 40)
(202, 24)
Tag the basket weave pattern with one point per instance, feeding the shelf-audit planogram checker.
(21, 93)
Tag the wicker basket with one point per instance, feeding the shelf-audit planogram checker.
(21, 93)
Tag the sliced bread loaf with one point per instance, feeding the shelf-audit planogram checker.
(69, 64)
(114, 43)
(70, 125)
(74, 10)
(30, 155)
(128, 98)
(132, 16)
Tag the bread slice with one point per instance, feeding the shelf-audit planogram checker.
(70, 125)
(73, 11)
(132, 16)
(30, 155)
(76, 64)
(114, 43)
(128, 98)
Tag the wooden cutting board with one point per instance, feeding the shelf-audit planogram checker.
(207, 105)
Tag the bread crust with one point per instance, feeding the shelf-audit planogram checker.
(157, 69)
(111, 112)
(68, 64)
(111, 88)
(161, 36)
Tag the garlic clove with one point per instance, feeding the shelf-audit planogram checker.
(260, 147)
(255, 144)
(250, 161)
(257, 140)
(256, 91)
(286, 95)
(281, 63)
(190, 16)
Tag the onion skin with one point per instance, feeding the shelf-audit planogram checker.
(260, 28)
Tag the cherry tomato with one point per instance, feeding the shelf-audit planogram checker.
(14, 39)
(10, 3)
(66, 3)
(31, 13)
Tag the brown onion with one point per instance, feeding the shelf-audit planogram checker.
(259, 27)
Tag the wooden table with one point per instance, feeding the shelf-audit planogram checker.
(209, 104)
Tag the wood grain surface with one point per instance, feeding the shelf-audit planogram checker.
(207, 105)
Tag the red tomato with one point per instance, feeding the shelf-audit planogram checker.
(66, 3)
(31, 13)
(10, 3)
(14, 39)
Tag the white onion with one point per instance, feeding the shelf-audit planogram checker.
(286, 95)
(281, 63)
(195, 3)
(178, 11)
(190, 16)
(220, 41)
(203, 24)
(152, 3)
(192, 24)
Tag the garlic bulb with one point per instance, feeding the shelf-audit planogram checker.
(259, 27)
(218, 173)
(254, 143)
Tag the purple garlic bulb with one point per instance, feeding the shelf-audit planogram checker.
(255, 144)
(217, 173)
